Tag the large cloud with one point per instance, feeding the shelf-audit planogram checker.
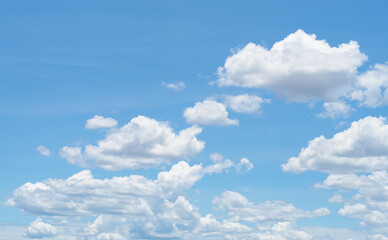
(84, 195)
(361, 148)
(138, 207)
(142, 143)
(299, 67)
(208, 112)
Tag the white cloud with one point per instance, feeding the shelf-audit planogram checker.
(361, 148)
(337, 198)
(208, 112)
(175, 86)
(100, 122)
(378, 237)
(142, 143)
(370, 203)
(241, 209)
(138, 207)
(299, 68)
(335, 110)
(244, 165)
(39, 229)
(43, 150)
(221, 164)
(73, 155)
(110, 236)
(282, 231)
(245, 103)
(372, 87)
(84, 195)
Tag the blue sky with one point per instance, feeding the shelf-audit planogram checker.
(207, 120)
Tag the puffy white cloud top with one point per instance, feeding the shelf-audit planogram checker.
(299, 67)
(100, 122)
(39, 229)
(208, 112)
(82, 194)
(142, 143)
(361, 148)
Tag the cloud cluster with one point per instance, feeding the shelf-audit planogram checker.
(84, 195)
(240, 209)
(370, 203)
(39, 229)
(361, 148)
(141, 143)
(100, 122)
(299, 68)
(139, 207)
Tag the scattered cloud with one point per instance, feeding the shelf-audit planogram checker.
(241, 209)
(299, 68)
(337, 198)
(361, 148)
(335, 110)
(244, 165)
(175, 86)
(43, 150)
(39, 229)
(372, 86)
(100, 122)
(245, 103)
(370, 203)
(208, 112)
(141, 143)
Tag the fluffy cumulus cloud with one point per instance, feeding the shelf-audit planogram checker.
(43, 150)
(369, 203)
(361, 148)
(82, 194)
(208, 112)
(100, 122)
(244, 165)
(335, 110)
(139, 207)
(240, 208)
(372, 87)
(39, 229)
(175, 86)
(245, 103)
(299, 67)
(142, 143)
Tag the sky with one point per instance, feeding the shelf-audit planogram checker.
(193, 120)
